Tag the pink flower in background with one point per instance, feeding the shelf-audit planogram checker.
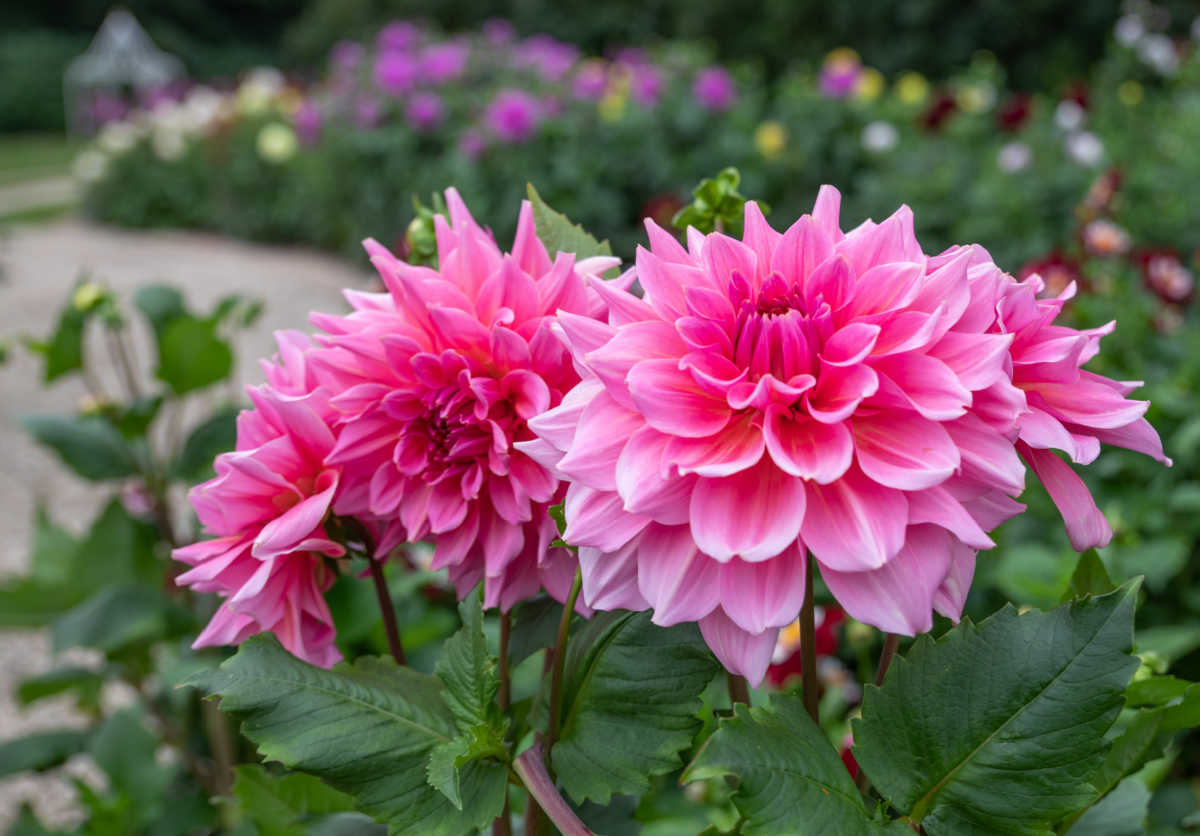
(367, 111)
(714, 89)
(346, 57)
(425, 111)
(266, 510)
(591, 80)
(513, 116)
(308, 122)
(435, 381)
(399, 36)
(441, 63)
(498, 31)
(395, 72)
(840, 73)
(552, 59)
(471, 144)
(813, 394)
(646, 84)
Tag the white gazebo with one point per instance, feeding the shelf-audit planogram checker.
(120, 57)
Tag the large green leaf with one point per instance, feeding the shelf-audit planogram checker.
(468, 670)
(558, 234)
(191, 355)
(631, 695)
(113, 618)
(366, 728)
(211, 437)
(279, 804)
(64, 350)
(997, 728)
(1089, 578)
(87, 444)
(41, 750)
(789, 778)
(1120, 813)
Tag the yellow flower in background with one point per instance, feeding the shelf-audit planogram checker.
(1129, 93)
(87, 295)
(289, 100)
(276, 143)
(841, 56)
(612, 106)
(770, 138)
(870, 85)
(975, 98)
(912, 88)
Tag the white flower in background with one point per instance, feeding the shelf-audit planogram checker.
(1014, 156)
(1158, 52)
(1105, 238)
(118, 137)
(258, 90)
(168, 143)
(1196, 29)
(89, 166)
(1069, 115)
(276, 143)
(1085, 148)
(202, 109)
(1129, 30)
(878, 137)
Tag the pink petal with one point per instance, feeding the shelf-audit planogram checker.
(759, 596)
(672, 403)
(1086, 526)
(598, 519)
(936, 505)
(839, 391)
(952, 594)
(731, 450)
(806, 448)
(741, 652)
(854, 524)
(925, 383)
(754, 514)
(604, 427)
(986, 454)
(851, 344)
(632, 344)
(610, 579)
(826, 210)
(1138, 436)
(282, 534)
(677, 580)
(902, 450)
(803, 248)
(644, 484)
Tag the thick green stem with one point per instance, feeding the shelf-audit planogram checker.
(530, 767)
(560, 661)
(502, 826)
(808, 647)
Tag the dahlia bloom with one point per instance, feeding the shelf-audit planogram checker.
(808, 395)
(435, 380)
(513, 116)
(266, 509)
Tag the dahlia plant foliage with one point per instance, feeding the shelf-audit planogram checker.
(672, 464)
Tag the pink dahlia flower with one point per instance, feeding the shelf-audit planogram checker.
(267, 508)
(806, 395)
(435, 381)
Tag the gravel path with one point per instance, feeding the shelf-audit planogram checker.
(38, 265)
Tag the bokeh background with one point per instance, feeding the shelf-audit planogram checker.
(234, 154)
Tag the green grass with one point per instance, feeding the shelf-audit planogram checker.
(25, 157)
(36, 215)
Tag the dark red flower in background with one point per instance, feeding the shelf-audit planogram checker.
(1057, 271)
(1015, 112)
(787, 663)
(1165, 275)
(941, 109)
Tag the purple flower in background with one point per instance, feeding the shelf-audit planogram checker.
(307, 121)
(395, 72)
(646, 85)
(367, 111)
(591, 80)
(346, 56)
(498, 31)
(471, 144)
(397, 36)
(714, 88)
(840, 73)
(444, 62)
(106, 107)
(512, 116)
(425, 111)
(552, 59)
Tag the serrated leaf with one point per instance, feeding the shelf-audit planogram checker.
(367, 729)
(558, 234)
(41, 750)
(630, 698)
(89, 445)
(1142, 740)
(1122, 812)
(1089, 578)
(442, 770)
(468, 671)
(787, 772)
(997, 727)
(278, 804)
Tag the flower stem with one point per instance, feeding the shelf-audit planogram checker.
(502, 826)
(530, 767)
(890, 643)
(808, 646)
(560, 660)
(386, 607)
(739, 689)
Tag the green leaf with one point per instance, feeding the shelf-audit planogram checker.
(442, 769)
(113, 618)
(135, 419)
(1122, 812)
(1090, 577)
(61, 680)
(27, 824)
(191, 355)
(41, 751)
(1141, 741)
(1185, 713)
(786, 772)
(558, 234)
(160, 303)
(124, 748)
(1170, 641)
(89, 445)
(631, 694)
(996, 728)
(213, 436)
(468, 671)
(367, 729)
(64, 350)
(534, 626)
(279, 804)
(1155, 690)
